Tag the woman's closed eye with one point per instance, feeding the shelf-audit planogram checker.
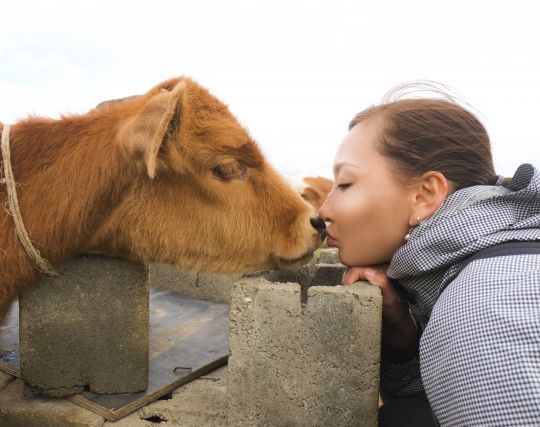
(343, 186)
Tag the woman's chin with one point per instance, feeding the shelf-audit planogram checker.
(349, 260)
(343, 258)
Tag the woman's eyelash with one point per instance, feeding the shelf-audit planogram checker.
(344, 186)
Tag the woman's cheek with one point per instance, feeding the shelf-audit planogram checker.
(352, 207)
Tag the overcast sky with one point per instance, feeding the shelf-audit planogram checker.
(294, 72)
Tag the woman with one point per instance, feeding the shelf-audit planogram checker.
(415, 196)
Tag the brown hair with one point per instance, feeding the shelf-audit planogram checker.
(421, 135)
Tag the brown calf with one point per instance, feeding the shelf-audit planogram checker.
(169, 176)
(311, 187)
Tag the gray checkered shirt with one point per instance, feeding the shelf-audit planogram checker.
(479, 359)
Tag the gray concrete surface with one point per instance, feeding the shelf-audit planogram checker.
(204, 286)
(201, 403)
(89, 326)
(324, 270)
(328, 256)
(19, 411)
(218, 287)
(303, 363)
(5, 379)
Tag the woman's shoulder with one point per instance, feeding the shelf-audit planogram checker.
(502, 263)
(505, 249)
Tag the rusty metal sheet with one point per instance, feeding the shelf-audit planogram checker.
(188, 338)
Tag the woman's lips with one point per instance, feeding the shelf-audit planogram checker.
(330, 240)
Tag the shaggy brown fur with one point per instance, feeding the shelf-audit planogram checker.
(169, 176)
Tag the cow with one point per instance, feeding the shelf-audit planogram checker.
(169, 176)
(311, 187)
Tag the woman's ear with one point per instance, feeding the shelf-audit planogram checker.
(429, 193)
(150, 130)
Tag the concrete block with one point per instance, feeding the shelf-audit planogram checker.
(328, 256)
(88, 327)
(19, 411)
(327, 274)
(303, 363)
(315, 273)
(204, 286)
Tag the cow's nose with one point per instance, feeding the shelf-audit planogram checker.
(318, 224)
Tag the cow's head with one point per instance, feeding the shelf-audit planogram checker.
(311, 187)
(205, 197)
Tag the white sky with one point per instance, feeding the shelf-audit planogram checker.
(294, 72)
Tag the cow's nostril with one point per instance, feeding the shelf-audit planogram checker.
(318, 224)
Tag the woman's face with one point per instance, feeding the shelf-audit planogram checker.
(368, 209)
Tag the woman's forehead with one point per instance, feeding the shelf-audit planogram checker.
(343, 166)
(356, 150)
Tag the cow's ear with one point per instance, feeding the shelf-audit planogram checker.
(152, 128)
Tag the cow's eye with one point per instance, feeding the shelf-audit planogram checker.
(228, 171)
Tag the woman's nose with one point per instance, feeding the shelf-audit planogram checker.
(324, 210)
(318, 224)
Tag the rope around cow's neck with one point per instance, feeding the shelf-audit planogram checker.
(40, 263)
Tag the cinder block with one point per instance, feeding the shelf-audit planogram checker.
(88, 327)
(327, 274)
(316, 273)
(205, 286)
(328, 256)
(311, 363)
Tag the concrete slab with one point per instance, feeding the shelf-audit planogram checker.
(89, 326)
(303, 363)
(197, 404)
(19, 411)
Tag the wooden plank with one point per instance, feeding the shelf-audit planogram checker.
(188, 338)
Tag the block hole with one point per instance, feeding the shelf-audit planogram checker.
(156, 419)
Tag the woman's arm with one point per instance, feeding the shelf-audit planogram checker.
(399, 330)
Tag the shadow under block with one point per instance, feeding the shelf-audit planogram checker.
(86, 328)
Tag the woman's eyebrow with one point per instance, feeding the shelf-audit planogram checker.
(338, 166)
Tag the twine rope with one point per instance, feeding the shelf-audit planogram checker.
(6, 177)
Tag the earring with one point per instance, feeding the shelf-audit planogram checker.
(408, 235)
